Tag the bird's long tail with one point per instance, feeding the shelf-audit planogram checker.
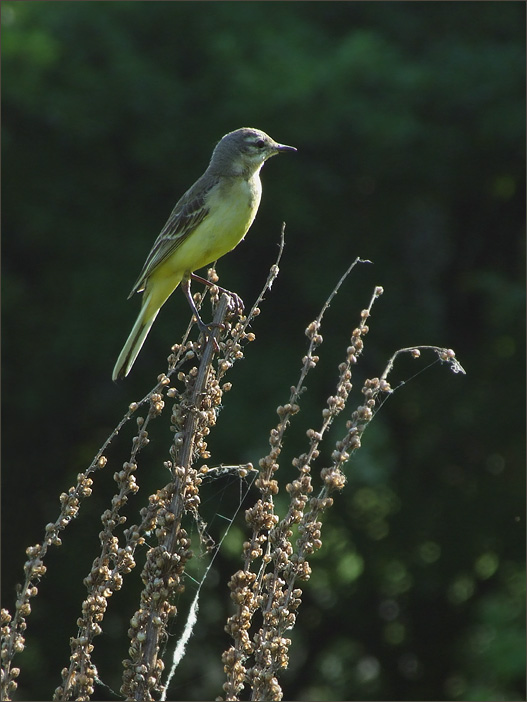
(135, 341)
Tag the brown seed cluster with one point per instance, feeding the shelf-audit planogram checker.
(162, 577)
(13, 628)
(105, 578)
(273, 560)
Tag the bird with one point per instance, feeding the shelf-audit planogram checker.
(208, 221)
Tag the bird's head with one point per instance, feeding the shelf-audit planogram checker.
(245, 151)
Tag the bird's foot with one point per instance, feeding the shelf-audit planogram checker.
(237, 300)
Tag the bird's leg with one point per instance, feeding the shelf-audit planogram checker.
(238, 302)
(204, 328)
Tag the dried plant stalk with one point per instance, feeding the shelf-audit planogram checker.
(193, 416)
(277, 551)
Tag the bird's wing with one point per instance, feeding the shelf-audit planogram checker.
(188, 213)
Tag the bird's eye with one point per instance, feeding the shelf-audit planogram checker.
(259, 144)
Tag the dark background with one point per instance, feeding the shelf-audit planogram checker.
(409, 123)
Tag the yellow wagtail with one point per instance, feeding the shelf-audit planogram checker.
(211, 218)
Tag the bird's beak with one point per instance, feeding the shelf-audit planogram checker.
(283, 147)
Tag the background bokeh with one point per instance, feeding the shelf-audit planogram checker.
(409, 124)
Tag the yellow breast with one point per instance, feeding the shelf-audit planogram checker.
(232, 206)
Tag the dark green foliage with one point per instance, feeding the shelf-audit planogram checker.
(409, 124)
